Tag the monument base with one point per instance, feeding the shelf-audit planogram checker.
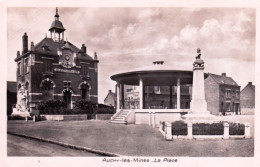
(200, 117)
(20, 113)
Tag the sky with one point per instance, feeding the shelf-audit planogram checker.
(128, 38)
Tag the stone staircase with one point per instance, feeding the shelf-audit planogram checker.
(120, 117)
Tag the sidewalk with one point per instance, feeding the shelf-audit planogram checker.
(129, 140)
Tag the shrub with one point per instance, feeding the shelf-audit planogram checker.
(104, 109)
(58, 107)
(236, 129)
(51, 107)
(86, 107)
(179, 128)
(208, 129)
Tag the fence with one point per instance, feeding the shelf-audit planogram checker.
(166, 129)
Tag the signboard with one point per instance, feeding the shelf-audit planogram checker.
(66, 71)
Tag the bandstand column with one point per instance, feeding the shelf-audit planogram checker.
(122, 96)
(178, 94)
(171, 97)
(117, 96)
(141, 92)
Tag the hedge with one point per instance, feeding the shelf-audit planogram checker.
(236, 129)
(208, 129)
(58, 107)
(179, 128)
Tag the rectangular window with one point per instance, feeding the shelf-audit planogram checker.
(48, 65)
(237, 94)
(67, 84)
(19, 70)
(84, 70)
(228, 93)
(228, 106)
(26, 65)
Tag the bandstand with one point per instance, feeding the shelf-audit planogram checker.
(164, 94)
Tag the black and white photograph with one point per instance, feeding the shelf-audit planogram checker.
(129, 85)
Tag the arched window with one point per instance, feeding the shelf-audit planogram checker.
(47, 89)
(85, 90)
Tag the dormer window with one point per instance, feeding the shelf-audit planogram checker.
(45, 47)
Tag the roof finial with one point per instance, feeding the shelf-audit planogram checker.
(57, 14)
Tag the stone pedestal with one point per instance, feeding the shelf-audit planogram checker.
(198, 102)
(198, 111)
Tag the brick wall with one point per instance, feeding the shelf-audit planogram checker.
(247, 97)
(212, 95)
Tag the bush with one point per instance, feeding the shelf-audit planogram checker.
(236, 129)
(208, 129)
(86, 107)
(58, 107)
(104, 109)
(51, 107)
(179, 128)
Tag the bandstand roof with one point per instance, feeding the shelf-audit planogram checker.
(157, 74)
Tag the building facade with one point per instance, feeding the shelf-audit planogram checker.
(222, 94)
(55, 69)
(110, 99)
(11, 96)
(247, 99)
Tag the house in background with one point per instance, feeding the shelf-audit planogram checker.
(247, 99)
(11, 96)
(222, 94)
(110, 99)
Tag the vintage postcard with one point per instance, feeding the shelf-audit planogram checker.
(129, 83)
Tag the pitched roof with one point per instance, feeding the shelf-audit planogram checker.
(11, 86)
(224, 80)
(250, 86)
(112, 94)
(54, 46)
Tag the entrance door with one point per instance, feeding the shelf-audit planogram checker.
(67, 98)
(236, 108)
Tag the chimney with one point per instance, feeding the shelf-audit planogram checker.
(250, 83)
(32, 46)
(223, 74)
(84, 48)
(109, 91)
(18, 53)
(95, 56)
(25, 43)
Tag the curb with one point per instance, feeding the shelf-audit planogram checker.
(103, 153)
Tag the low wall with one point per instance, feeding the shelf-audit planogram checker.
(103, 116)
(155, 116)
(247, 111)
(80, 117)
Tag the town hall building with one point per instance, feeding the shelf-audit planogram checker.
(55, 69)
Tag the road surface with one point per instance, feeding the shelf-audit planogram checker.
(19, 146)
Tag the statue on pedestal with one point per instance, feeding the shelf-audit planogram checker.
(199, 54)
(198, 63)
